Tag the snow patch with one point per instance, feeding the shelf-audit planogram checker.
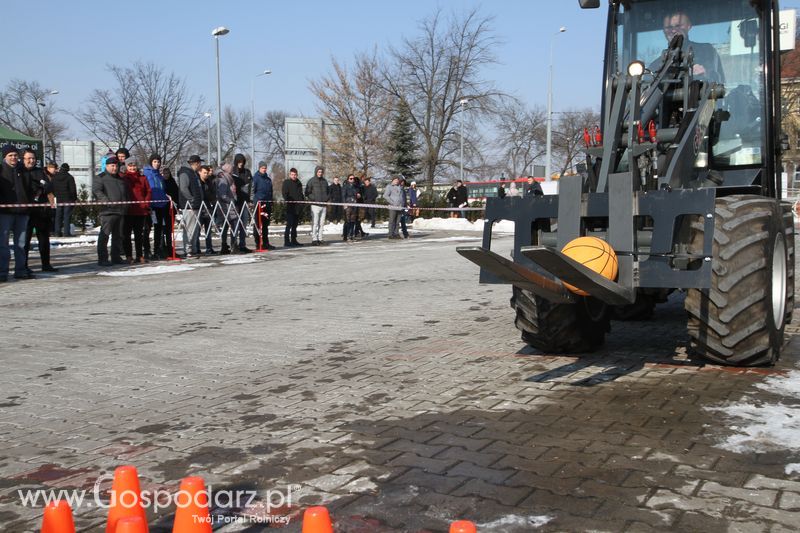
(154, 270)
(507, 521)
(460, 224)
(792, 468)
(240, 260)
(762, 425)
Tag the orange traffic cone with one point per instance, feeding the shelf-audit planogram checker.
(126, 498)
(58, 518)
(131, 524)
(317, 520)
(192, 502)
(463, 526)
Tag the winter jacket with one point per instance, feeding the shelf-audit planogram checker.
(394, 195)
(138, 191)
(41, 187)
(156, 182)
(189, 187)
(171, 189)
(110, 188)
(349, 193)
(317, 189)
(412, 196)
(533, 189)
(457, 196)
(209, 192)
(14, 189)
(335, 192)
(64, 187)
(262, 191)
(293, 192)
(370, 194)
(243, 179)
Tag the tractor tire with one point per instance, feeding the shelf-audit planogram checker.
(560, 328)
(788, 224)
(740, 320)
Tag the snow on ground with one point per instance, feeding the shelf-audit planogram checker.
(459, 224)
(762, 425)
(508, 521)
(154, 270)
(792, 468)
(241, 260)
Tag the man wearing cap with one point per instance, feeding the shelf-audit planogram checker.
(262, 198)
(110, 187)
(13, 190)
(190, 200)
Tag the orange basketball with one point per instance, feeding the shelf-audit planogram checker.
(592, 253)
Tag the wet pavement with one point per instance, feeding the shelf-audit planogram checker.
(379, 379)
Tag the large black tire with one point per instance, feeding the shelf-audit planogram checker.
(740, 319)
(641, 309)
(560, 328)
(788, 224)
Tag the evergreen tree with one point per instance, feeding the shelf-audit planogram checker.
(403, 147)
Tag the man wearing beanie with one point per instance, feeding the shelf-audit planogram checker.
(65, 192)
(110, 187)
(13, 190)
(161, 221)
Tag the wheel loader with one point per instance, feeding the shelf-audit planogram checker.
(682, 180)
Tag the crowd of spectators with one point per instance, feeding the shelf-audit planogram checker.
(138, 206)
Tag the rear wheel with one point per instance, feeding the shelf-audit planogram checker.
(740, 319)
(788, 225)
(560, 328)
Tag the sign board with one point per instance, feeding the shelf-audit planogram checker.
(788, 28)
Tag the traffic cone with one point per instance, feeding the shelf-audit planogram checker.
(192, 502)
(126, 498)
(317, 520)
(58, 518)
(463, 526)
(131, 524)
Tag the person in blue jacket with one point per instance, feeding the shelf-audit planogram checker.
(262, 198)
(159, 209)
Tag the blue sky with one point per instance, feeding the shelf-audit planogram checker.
(65, 45)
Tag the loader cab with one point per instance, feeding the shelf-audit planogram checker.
(730, 44)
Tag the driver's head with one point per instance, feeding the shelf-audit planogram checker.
(675, 23)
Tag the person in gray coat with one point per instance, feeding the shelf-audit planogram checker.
(317, 191)
(190, 200)
(396, 198)
(110, 187)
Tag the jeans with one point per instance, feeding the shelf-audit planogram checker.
(205, 222)
(17, 224)
(191, 231)
(403, 226)
(317, 222)
(110, 226)
(242, 231)
(62, 225)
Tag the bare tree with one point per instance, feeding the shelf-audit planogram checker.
(568, 135)
(521, 136)
(24, 107)
(148, 110)
(354, 103)
(434, 72)
(271, 134)
(235, 133)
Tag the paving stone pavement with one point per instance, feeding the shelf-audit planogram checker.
(381, 380)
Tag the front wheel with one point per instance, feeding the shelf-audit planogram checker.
(740, 319)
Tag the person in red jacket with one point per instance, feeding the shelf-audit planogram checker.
(138, 191)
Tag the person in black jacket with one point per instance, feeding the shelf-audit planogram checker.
(292, 192)
(533, 188)
(209, 199)
(335, 193)
(457, 198)
(370, 197)
(110, 187)
(39, 217)
(243, 179)
(13, 190)
(65, 192)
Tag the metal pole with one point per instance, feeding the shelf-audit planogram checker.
(461, 159)
(252, 123)
(208, 142)
(548, 157)
(219, 108)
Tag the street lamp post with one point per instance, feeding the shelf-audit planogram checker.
(208, 141)
(217, 33)
(548, 157)
(41, 103)
(253, 116)
(463, 102)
